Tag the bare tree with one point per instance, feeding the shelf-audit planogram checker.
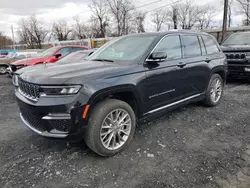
(79, 30)
(5, 42)
(159, 17)
(172, 16)
(205, 15)
(139, 21)
(32, 32)
(99, 10)
(187, 14)
(61, 30)
(244, 9)
(121, 9)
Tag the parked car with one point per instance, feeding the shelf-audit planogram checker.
(133, 78)
(73, 57)
(2, 56)
(51, 55)
(12, 57)
(237, 49)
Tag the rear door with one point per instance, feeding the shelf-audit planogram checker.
(196, 72)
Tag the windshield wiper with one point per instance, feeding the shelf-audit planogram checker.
(103, 60)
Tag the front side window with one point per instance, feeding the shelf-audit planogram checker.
(191, 46)
(210, 44)
(171, 45)
(48, 52)
(64, 51)
(75, 49)
(128, 48)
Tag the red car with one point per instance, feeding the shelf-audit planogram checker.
(50, 56)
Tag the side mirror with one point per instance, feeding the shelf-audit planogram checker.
(157, 57)
(58, 55)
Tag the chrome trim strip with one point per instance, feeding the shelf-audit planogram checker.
(56, 117)
(173, 104)
(27, 96)
(45, 133)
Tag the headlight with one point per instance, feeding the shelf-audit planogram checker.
(15, 80)
(60, 90)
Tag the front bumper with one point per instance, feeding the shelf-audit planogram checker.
(240, 71)
(54, 119)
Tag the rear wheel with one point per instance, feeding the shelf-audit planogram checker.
(3, 69)
(111, 127)
(214, 91)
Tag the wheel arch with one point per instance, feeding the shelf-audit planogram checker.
(126, 93)
(221, 71)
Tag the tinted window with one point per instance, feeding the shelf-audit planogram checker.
(191, 46)
(203, 49)
(64, 51)
(171, 45)
(210, 45)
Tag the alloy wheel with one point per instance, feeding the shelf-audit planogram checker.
(115, 129)
(3, 70)
(216, 90)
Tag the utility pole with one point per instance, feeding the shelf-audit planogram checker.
(13, 38)
(224, 26)
(247, 12)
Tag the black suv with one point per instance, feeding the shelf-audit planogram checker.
(237, 49)
(129, 79)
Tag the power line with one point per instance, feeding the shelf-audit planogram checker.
(164, 6)
(148, 4)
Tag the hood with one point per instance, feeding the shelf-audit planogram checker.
(70, 73)
(29, 61)
(29, 68)
(7, 60)
(235, 48)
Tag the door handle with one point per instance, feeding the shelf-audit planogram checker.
(207, 60)
(181, 64)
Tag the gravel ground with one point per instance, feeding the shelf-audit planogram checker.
(192, 147)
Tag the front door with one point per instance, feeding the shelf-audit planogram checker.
(163, 78)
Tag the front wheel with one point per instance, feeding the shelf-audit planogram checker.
(111, 127)
(214, 91)
(3, 69)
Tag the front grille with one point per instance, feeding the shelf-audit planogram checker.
(31, 91)
(236, 56)
(36, 121)
(63, 125)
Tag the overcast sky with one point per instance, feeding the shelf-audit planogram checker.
(51, 10)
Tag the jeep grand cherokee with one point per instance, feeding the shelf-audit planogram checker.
(237, 49)
(130, 79)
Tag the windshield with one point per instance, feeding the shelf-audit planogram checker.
(10, 55)
(238, 39)
(126, 48)
(75, 56)
(48, 52)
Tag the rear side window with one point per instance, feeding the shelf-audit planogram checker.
(170, 44)
(191, 46)
(210, 44)
(203, 49)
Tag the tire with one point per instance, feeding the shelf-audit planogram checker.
(209, 98)
(3, 69)
(102, 113)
